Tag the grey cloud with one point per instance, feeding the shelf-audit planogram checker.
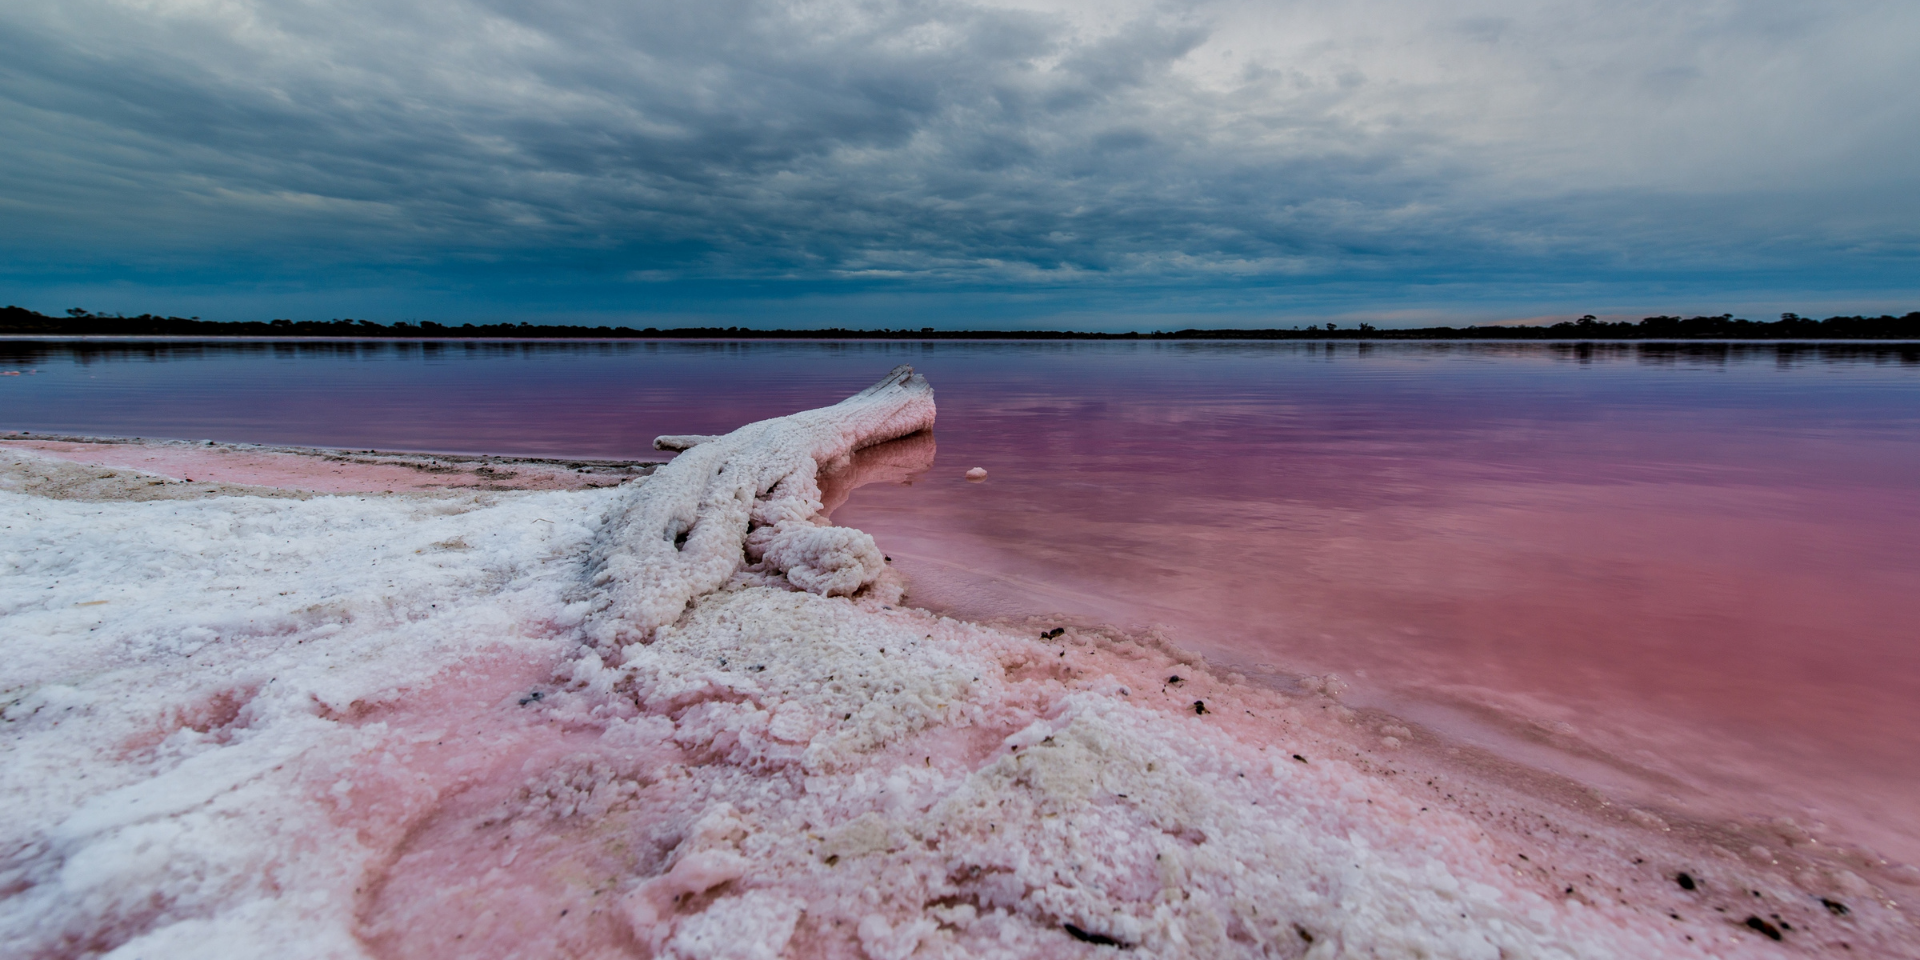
(943, 141)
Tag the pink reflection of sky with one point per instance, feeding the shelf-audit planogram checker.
(1703, 611)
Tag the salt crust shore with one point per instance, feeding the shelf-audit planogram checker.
(266, 470)
(682, 717)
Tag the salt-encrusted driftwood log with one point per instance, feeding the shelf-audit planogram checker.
(749, 497)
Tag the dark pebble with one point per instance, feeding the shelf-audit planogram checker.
(1835, 907)
(1764, 927)
(1199, 706)
(1095, 938)
(1685, 880)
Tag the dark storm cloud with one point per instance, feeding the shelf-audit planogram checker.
(945, 142)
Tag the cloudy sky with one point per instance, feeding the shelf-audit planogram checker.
(1099, 165)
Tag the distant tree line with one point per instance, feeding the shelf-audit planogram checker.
(78, 322)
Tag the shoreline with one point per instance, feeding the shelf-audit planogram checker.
(1578, 836)
(16, 320)
(319, 470)
(1370, 338)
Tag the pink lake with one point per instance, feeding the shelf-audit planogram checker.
(1685, 575)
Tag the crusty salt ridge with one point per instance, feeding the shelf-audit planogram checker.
(682, 535)
(344, 727)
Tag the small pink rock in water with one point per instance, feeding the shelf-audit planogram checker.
(977, 474)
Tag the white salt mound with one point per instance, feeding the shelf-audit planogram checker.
(681, 535)
(683, 718)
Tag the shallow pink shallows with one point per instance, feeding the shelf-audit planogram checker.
(1696, 588)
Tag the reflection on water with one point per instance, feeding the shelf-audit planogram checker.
(1686, 572)
(30, 351)
(896, 461)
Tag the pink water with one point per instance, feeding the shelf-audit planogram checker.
(1687, 576)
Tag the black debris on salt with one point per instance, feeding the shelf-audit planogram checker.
(1100, 939)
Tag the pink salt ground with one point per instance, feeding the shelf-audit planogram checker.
(463, 882)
